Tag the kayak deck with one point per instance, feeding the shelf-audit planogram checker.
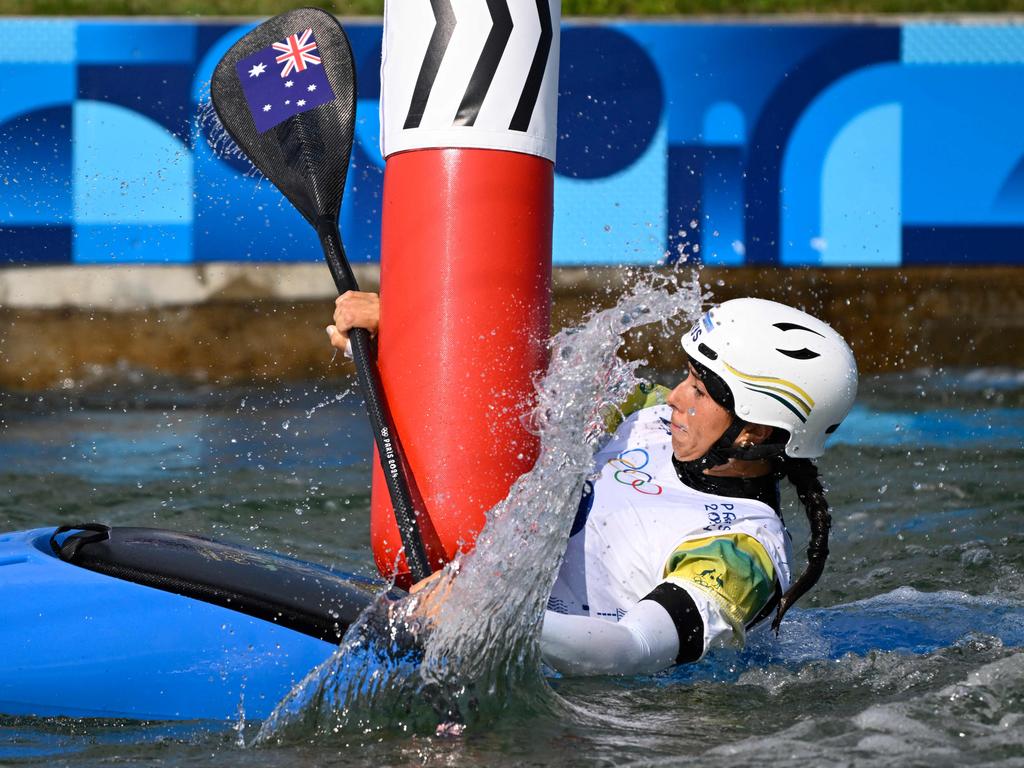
(82, 643)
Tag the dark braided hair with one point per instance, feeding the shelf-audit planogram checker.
(803, 474)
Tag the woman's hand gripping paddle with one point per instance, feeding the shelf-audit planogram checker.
(286, 94)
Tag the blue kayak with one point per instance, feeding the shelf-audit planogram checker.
(150, 624)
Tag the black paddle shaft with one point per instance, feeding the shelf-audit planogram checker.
(388, 449)
(286, 94)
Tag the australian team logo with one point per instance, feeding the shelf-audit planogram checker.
(629, 467)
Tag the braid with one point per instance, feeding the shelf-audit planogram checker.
(804, 476)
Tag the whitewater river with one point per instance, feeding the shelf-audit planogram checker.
(908, 652)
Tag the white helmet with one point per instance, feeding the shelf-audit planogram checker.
(784, 368)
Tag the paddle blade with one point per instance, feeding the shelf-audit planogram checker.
(286, 94)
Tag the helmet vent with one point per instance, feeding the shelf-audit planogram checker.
(831, 429)
(796, 327)
(707, 351)
(799, 354)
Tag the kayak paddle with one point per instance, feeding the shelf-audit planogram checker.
(286, 94)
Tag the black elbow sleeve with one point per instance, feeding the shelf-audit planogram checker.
(685, 616)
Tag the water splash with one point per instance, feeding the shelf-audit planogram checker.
(208, 124)
(335, 398)
(482, 656)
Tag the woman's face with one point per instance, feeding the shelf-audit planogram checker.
(697, 420)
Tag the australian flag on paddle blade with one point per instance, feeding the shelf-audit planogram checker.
(283, 80)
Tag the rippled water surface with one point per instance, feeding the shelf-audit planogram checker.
(907, 653)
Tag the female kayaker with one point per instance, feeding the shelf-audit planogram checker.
(679, 544)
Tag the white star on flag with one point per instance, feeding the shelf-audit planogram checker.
(257, 70)
(289, 84)
(287, 102)
(301, 103)
(311, 88)
(266, 107)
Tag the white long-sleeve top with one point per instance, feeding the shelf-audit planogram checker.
(656, 572)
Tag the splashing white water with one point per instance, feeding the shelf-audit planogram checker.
(335, 398)
(208, 124)
(482, 653)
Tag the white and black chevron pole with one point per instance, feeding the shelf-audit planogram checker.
(468, 107)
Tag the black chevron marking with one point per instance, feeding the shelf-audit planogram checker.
(796, 327)
(800, 354)
(444, 27)
(487, 64)
(528, 99)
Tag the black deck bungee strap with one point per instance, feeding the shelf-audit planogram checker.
(69, 549)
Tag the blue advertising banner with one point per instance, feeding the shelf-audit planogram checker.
(725, 144)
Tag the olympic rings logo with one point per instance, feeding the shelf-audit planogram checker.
(628, 471)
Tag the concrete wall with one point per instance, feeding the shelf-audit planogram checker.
(882, 162)
(219, 323)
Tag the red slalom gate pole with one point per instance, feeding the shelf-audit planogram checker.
(468, 132)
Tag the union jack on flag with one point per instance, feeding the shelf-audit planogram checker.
(297, 52)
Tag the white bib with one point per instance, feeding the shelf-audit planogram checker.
(639, 514)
